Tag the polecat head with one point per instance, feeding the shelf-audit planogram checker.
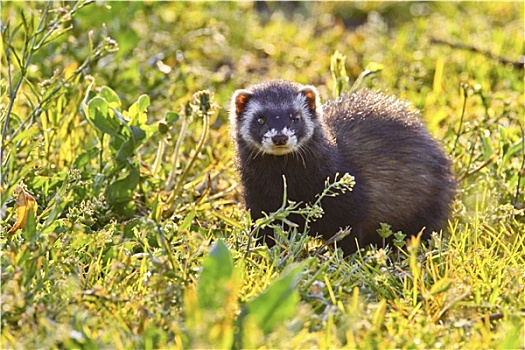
(276, 117)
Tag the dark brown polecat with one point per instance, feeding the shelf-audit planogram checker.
(402, 176)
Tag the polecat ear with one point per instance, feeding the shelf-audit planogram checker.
(312, 97)
(240, 99)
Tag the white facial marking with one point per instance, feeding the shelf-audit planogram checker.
(292, 139)
(269, 147)
(249, 115)
(267, 143)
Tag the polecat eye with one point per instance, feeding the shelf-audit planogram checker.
(295, 117)
(261, 120)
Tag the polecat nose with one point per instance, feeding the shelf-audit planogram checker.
(280, 140)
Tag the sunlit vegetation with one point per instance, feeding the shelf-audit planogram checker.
(121, 221)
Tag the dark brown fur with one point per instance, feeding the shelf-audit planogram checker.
(402, 176)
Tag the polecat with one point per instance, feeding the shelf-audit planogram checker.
(402, 176)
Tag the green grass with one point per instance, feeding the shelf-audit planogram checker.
(114, 118)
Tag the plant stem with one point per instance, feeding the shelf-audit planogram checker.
(204, 135)
(175, 157)
(464, 87)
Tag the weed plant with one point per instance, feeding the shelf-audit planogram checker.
(121, 219)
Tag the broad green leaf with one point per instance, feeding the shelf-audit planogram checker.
(116, 141)
(137, 111)
(110, 96)
(277, 304)
(101, 117)
(127, 148)
(83, 159)
(171, 117)
(125, 151)
(143, 103)
(121, 191)
(217, 270)
(137, 134)
(120, 117)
